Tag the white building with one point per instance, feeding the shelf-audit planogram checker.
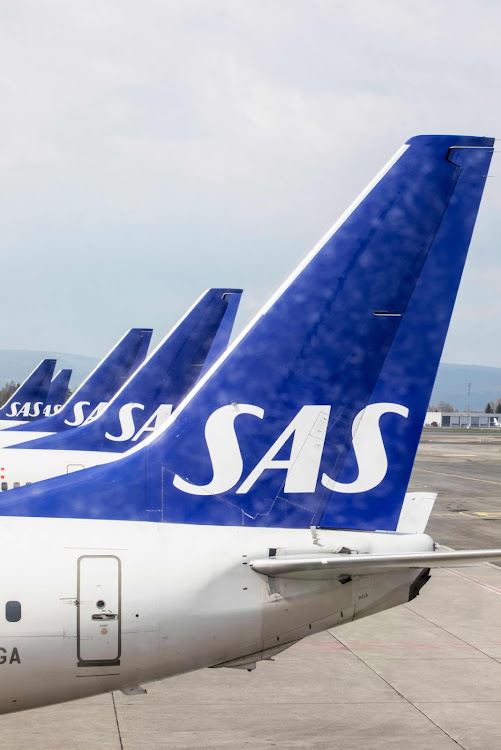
(462, 419)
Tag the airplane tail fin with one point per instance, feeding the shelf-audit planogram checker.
(313, 418)
(231, 299)
(27, 402)
(101, 385)
(159, 384)
(313, 415)
(57, 393)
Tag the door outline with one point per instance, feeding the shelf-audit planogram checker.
(100, 662)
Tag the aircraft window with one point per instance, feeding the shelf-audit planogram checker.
(4, 486)
(100, 604)
(28, 483)
(13, 611)
(16, 484)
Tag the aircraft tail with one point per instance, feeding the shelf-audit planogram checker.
(312, 417)
(101, 385)
(159, 384)
(27, 402)
(57, 393)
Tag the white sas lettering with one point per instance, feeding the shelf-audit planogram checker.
(50, 410)
(96, 412)
(369, 449)
(129, 428)
(37, 408)
(308, 427)
(13, 409)
(78, 413)
(153, 423)
(24, 411)
(126, 423)
(224, 451)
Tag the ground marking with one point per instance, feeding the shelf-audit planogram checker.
(475, 580)
(457, 476)
(456, 455)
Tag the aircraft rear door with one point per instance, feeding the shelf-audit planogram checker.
(99, 610)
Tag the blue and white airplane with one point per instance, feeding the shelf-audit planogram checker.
(58, 391)
(250, 519)
(92, 396)
(27, 402)
(140, 406)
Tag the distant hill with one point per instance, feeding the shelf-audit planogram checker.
(452, 386)
(16, 364)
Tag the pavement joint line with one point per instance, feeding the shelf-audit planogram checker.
(392, 687)
(474, 580)
(117, 722)
(449, 632)
(409, 646)
(458, 476)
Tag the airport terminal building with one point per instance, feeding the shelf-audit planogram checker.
(462, 419)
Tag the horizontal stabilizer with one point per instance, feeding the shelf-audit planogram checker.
(416, 510)
(360, 565)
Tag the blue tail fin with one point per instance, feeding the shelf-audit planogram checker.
(231, 298)
(27, 402)
(159, 384)
(101, 385)
(57, 393)
(312, 416)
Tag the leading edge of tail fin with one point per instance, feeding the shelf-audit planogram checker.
(292, 426)
(101, 385)
(160, 383)
(28, 400)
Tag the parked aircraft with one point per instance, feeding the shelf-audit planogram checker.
(58, 391)
(141, 405)
(28, 400)
(250, 519)
(92, 396)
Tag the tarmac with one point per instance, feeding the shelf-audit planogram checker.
(423, 676)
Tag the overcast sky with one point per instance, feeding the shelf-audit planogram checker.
(154, 148)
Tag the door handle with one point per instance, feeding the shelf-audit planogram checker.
(105, 616)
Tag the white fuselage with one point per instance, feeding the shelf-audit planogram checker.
(5, 423)
(8, 437)
(108, 605)
(25, 465)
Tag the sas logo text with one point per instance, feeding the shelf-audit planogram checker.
(308, 431)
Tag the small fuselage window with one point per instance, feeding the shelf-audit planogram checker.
(13, 611)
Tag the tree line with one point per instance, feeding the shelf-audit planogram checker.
(7, 391)
(493, 407)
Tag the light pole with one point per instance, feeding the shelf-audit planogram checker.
(469, 417)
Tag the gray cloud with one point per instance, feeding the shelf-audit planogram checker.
(149, 150)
